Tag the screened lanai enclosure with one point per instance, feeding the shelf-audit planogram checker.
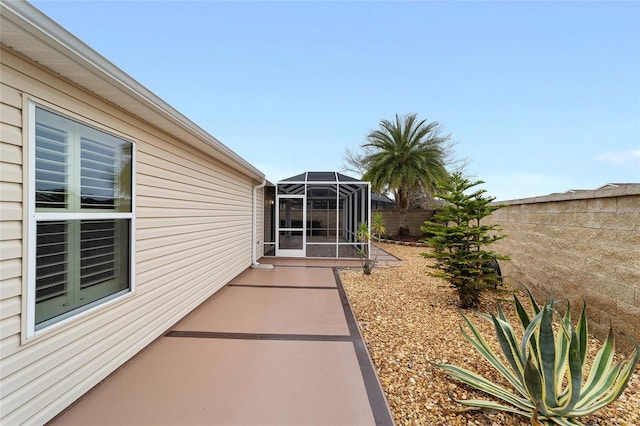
(316, 214)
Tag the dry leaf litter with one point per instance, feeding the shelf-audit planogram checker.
(410, 319)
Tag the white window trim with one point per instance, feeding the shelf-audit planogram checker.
(33, 217)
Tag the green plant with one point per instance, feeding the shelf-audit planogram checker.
(545, 368)
(459, 239)
(364, 236)
(405, 156)
(377, 225)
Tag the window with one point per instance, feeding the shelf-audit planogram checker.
(81, 242)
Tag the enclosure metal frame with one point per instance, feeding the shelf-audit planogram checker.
(352, 194)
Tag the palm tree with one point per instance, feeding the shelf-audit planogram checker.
(406, 157)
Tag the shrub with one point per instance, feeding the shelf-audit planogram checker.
(377, 225)
(458, 239)
(364, 236)
(546, 369)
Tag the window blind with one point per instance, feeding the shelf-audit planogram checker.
(52, 260)
(98, 180)
(98, 252)
(52, 176)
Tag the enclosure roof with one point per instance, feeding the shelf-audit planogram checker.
(297, 184)
(325, 177)
(381, 198)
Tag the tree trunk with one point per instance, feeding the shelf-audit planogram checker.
(403, 207)
(403, 228)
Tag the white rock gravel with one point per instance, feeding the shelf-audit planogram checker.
(410, 319)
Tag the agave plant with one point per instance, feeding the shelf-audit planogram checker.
(546, 369)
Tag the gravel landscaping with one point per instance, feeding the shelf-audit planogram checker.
(410, 319)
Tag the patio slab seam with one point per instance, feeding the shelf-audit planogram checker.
(261, 336)
(297, 287)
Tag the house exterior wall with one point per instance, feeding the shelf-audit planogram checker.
(578, 246)
(260, 221)
(193, 234)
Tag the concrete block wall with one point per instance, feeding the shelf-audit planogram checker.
(581, 245)
(415, 219)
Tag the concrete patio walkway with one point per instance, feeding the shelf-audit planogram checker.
(274, 347)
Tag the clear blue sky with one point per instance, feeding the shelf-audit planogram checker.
(540, 97)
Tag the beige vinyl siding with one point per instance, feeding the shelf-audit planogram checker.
(260, 223)
(193, 235)
(10, 218)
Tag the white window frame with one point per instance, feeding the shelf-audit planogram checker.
(34, 217)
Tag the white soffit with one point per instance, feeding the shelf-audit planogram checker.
(26, 30)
